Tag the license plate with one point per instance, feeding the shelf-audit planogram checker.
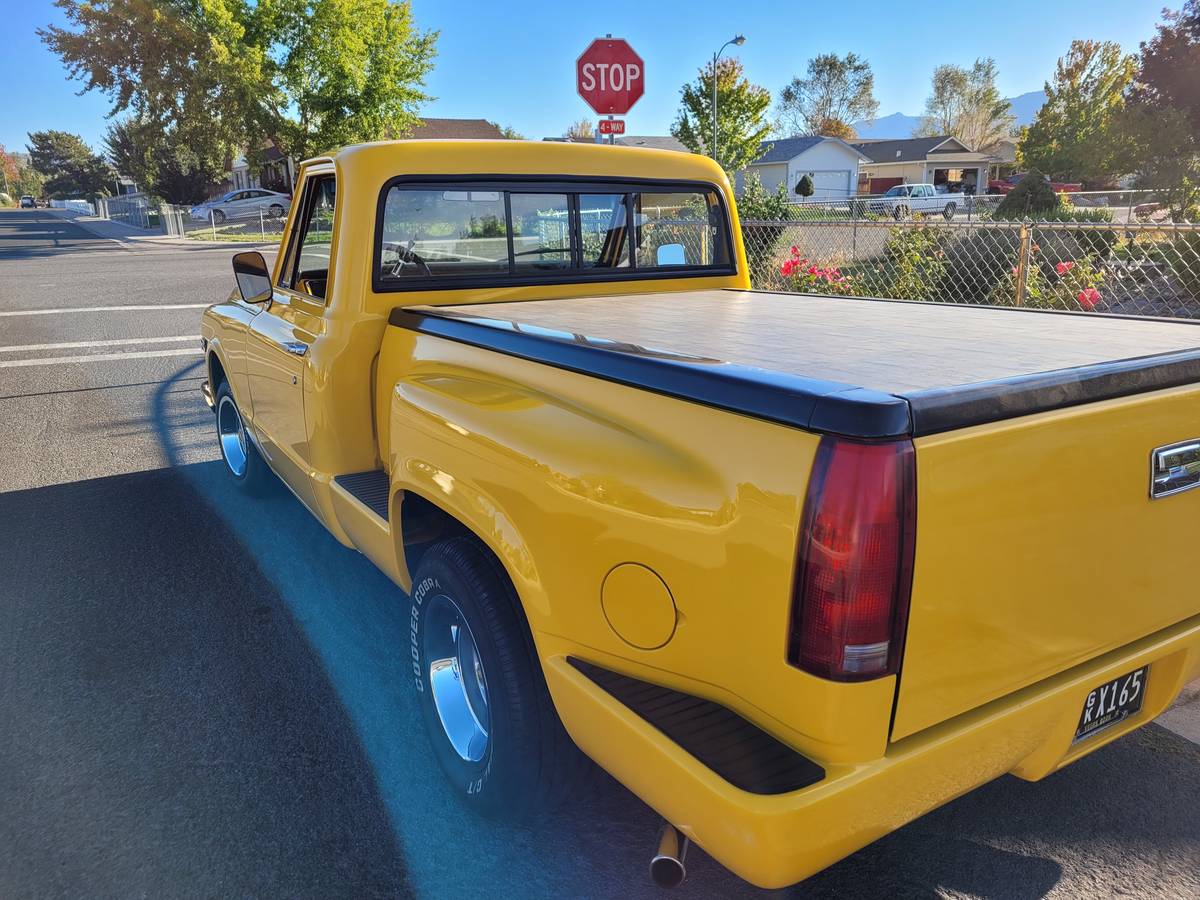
(1111, 703)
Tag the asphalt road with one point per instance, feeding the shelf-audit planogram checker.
(203, 695)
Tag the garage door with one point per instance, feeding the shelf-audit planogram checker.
(831, 184)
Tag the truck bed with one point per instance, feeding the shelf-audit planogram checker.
(858, 367)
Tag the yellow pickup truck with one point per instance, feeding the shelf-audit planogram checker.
(793, 569)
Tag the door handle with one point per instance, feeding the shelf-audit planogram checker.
(1174, 468)
(296, 348)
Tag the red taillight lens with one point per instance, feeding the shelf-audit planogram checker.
(854, 571)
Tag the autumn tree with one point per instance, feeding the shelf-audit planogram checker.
(69, 165)
(966, 104)
(1163, 111)
(583, 130)
(742, 108)
(1078, 133)
(509, 133)
(835, 92)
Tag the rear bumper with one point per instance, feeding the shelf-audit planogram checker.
(774, 841)
(206, 391)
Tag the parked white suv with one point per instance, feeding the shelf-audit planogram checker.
(903, 200)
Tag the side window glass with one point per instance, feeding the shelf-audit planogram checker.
(315, 238)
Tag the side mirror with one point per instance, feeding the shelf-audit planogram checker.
(671, 255)
(253, 277)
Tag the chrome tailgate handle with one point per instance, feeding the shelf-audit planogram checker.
(1174, 468)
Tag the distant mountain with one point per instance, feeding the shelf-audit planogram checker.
(898, 125)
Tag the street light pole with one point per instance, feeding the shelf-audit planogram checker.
(738, 40)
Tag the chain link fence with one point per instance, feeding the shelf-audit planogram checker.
(209, 224)
(1135, 268)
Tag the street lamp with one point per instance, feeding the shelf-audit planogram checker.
(737, 40)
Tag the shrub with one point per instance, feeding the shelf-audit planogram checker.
(975, 263)
(757, 203)
(1060, 245)
(1032, 198)
(807, 277)
(1070, 284)
(804, 187)
(916, 262)
(1183, 257)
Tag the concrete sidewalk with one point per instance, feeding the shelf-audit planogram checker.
(131, 236)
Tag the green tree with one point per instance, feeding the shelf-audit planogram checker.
(311, 75)
(347, 71)
(805, 187)
(966, 104)
(1163, 111)
(835, 92)
(1032, 198)
(163, 163)
(1077, 134)
(742, 123)
(69, 166)
(508, 132)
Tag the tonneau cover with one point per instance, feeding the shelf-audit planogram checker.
(869, 367)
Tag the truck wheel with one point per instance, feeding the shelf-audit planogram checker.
(948, 212)
(241, 457)
(900, 213)
(487, 712)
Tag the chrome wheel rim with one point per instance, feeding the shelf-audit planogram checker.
(232, 435)
(457, 680)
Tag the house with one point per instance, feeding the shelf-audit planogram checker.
(653, 141)
(924, 160)
(831, 163)
(460, 129)
(278, 172)
(1004, 157)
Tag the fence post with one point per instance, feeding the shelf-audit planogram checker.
(212, 218)
(262, 229)
(1022, 262)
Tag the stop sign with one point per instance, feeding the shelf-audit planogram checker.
(610, 76)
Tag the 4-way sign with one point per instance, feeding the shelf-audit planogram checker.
(610, 76)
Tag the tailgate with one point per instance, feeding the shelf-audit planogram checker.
(1039, 547)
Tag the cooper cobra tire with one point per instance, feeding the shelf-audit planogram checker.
(242, 460)
(483, 698)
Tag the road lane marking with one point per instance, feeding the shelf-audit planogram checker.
(84, 309)
(94, 358)
(116, 342)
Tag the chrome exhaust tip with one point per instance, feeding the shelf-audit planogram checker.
(666, 868)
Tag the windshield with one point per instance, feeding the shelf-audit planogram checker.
(899, 190)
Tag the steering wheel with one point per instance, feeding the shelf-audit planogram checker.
(405, 255)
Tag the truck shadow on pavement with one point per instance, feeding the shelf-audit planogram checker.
(166, 728)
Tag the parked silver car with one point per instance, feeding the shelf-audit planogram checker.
(243, 204)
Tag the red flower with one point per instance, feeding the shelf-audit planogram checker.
(1064, 267)
(795, 250)
(1088, 298)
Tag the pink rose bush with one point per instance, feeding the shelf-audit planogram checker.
(807, 277)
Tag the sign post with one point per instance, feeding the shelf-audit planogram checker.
(611, 78)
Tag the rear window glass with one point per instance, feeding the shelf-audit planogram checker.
(445, 234)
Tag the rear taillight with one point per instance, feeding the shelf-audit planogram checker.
(854, 569)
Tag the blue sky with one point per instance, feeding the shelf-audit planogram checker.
(514, 62)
